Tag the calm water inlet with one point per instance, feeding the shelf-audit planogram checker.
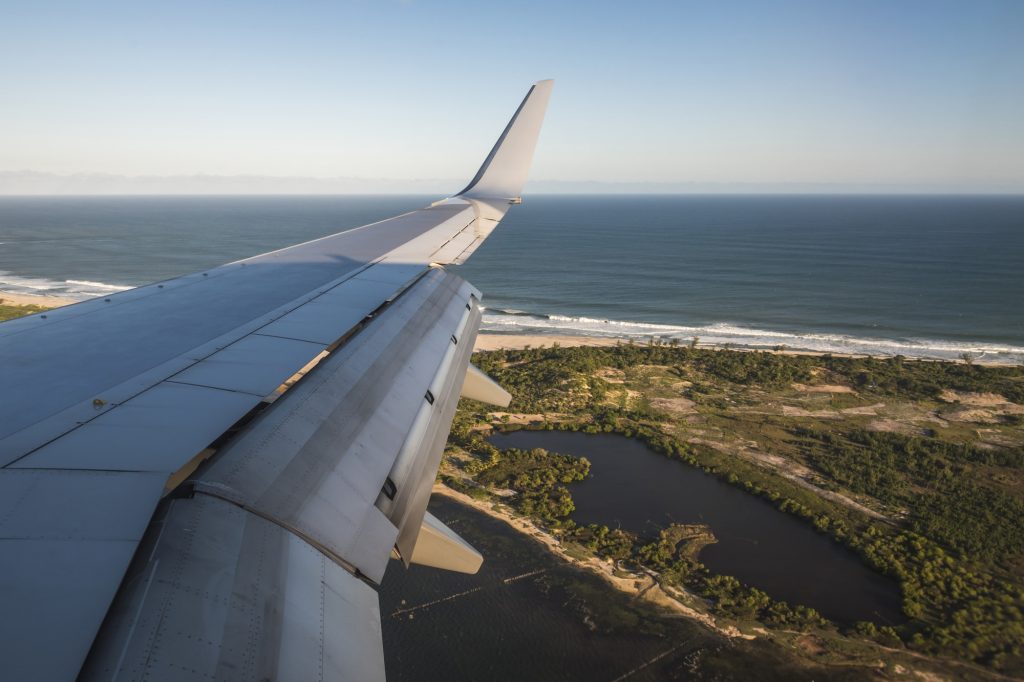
(638, 490)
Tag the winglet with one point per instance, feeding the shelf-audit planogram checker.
(504, 172)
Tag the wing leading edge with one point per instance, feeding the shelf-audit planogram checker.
(280, 419)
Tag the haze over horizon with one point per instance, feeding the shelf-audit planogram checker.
(29, 184)
(407, 97)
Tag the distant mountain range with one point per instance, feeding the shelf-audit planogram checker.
(34, 183)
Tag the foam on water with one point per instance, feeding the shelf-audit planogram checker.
(78, 290)
(724, 333)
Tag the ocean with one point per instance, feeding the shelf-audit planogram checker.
(921, 276)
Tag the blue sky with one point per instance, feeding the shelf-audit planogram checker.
(890, 93)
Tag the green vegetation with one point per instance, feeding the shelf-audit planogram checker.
(538, 477)
(925, 475)
(9, 312)
(537, 376)
(944, 483)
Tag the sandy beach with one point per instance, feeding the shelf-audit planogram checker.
(520, 341)
(7, 298)
(485, 342)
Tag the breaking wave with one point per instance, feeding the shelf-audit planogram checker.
(75, 289)
(497, 320)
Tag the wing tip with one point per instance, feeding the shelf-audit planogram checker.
(504, 171)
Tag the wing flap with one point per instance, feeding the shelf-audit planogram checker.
(317, 460)
(220, 593)
(416, 466)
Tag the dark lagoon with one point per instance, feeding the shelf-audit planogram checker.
(638, 490)
(528, 615)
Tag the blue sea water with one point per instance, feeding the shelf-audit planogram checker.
(915, 275)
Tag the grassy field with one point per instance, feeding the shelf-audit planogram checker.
(9, 312)
(917, 466)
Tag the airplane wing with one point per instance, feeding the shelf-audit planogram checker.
(204, 478)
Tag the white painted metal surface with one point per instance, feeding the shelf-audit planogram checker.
(441, 547)
(317, 461)
(221, 594)
(59, 571)
(416, 466)
(258, 574)
(136, 437)
(505, 170)
(330, 316)
(61, 361)
(254, 364)
(479, 386)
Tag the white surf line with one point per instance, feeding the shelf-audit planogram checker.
(506, 581)
(643, 665)
(99, 285)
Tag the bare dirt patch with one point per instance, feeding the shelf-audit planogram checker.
(893, 426)
(866, 410)
(675, 405)
(790, 411)
(974, 399)
(869, 410)
(975, 416)
(977, 408)
(809, 644)
(522, 418)
(611, 375)
(827, 388)
(994, 437)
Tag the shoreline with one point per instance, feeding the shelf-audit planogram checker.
(652, 593)
(490, 342)
(486, 341)
(9, 298)
(649, 590)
